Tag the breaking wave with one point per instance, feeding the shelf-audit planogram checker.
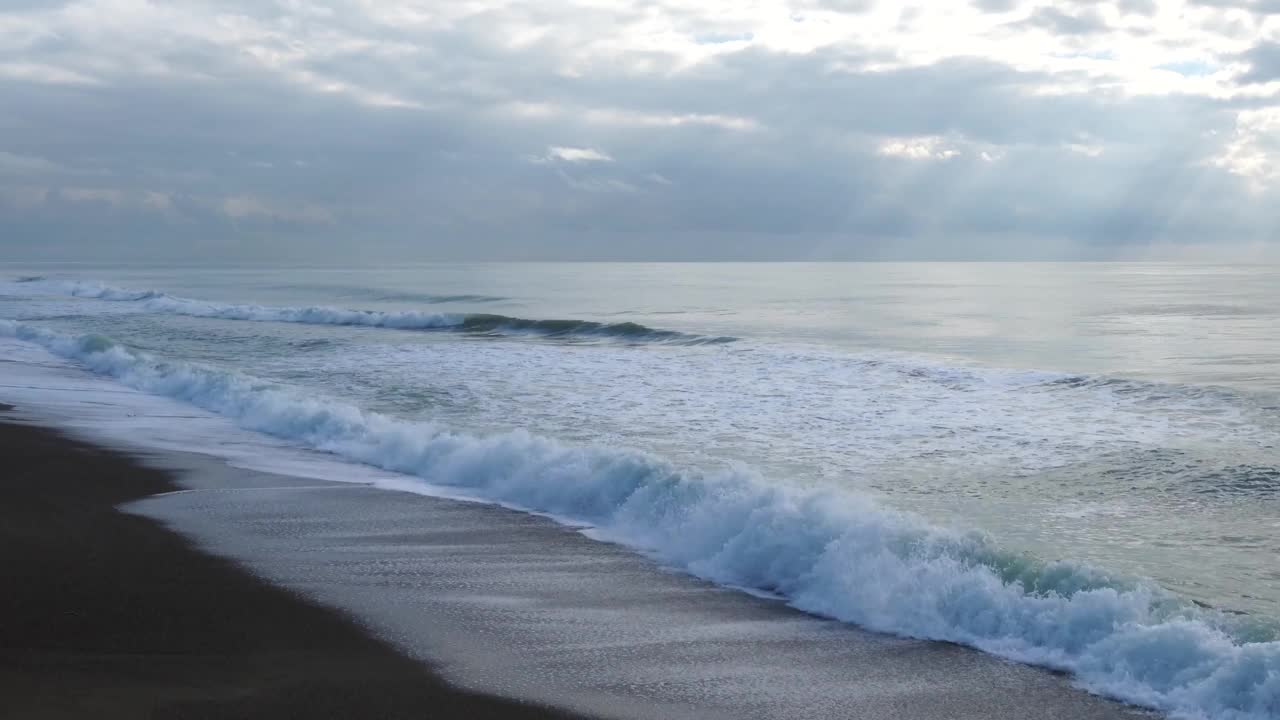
(833, 553)
(473, 323)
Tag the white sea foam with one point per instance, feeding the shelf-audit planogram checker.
(837, 554)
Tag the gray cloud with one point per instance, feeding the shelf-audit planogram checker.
(280, 131)
(996, 6)
(1060, 22)
(1264, 63)
(1146, 8)
(1260, 7)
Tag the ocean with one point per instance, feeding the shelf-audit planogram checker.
(1074, 466)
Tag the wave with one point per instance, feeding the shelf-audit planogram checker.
(1240, 474)
(376, 294)
(78, 288)
(390, 296)
(501, 324)
(832, 553)
(474, 323)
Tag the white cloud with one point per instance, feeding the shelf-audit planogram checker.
(918, 148)
(575, 155)
(1085, 149)
(1253, 149)
(609, 116)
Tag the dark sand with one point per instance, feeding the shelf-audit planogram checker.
(109, 615)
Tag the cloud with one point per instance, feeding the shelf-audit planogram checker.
(24, 164)
(919, 148)
(241, 207)
(44, 74)
(1144, 8)
(995, 6)
(1264, 63)
(578, 129)
(1253, 150)
(1059, 22)
(576, 155)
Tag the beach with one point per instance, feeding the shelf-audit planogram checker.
(109, 615)
(113, 615)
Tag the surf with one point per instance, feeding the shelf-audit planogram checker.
(837, 554)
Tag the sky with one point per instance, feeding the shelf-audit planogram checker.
(671, 130)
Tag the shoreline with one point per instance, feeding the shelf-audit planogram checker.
(471, 611)
(111, 615)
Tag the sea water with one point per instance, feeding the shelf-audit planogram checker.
(1071, 465)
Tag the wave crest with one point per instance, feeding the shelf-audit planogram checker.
(476, 324)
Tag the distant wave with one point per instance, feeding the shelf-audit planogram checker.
(476, 323)
(391, 296)
(377, 294)
(78, 288)
(832, 553)
(501, 324)
(1225, 398)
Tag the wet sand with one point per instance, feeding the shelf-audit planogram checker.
(105, 614)
(504, 602)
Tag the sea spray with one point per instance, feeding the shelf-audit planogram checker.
(837, 554)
